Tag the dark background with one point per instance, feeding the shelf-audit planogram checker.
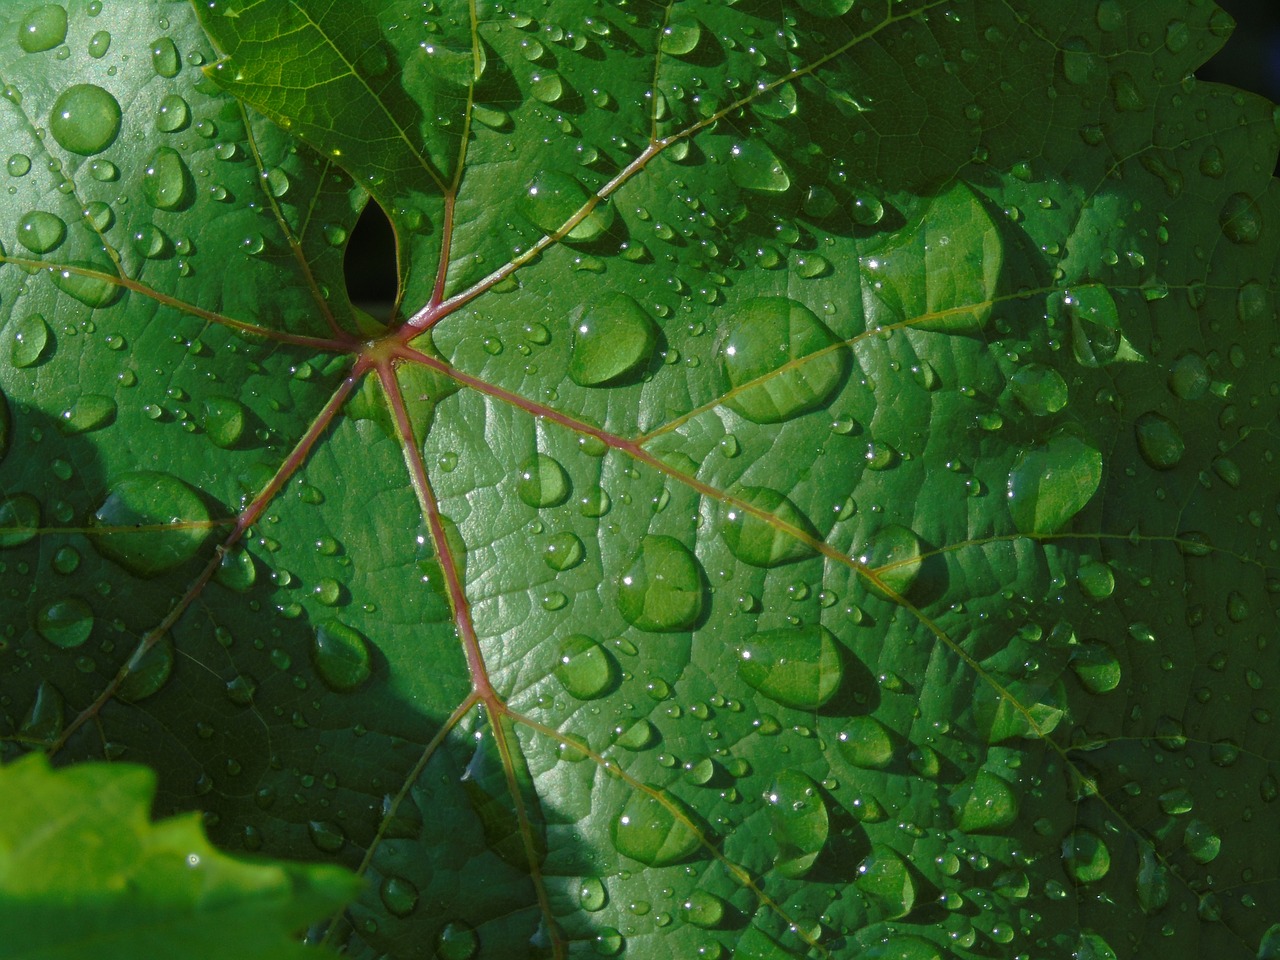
(1250, 60)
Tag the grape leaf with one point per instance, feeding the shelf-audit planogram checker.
(811, 497)
(83, 873)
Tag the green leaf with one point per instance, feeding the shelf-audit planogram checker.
(812, 495)
(83, 872)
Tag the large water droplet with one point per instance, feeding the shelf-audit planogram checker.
(781, 360)
(584, 668)
(41, 232)
(592, 894)
(88, 412)
(173, 114)
(340, 656)
(1051, 482)
(224, 421)
(65, 623)
(798, 816)
(149, 523)
(680, 36)
(542, 482)
(613, 338)
(398, 895)
(1241, 219)
(164, 57)
(662, 589)
(865, 742)
(655, 832)
(702, 909)
(92, 288)
(148, 671)
(551, 198)
(992, 805)
(885, 878)
(1159, 440)
(563, 551)
(893, 558)
(799, 667)
(761, 542)
(31, 336)
(753, 166)
(166, 182)
(43, 28)
(457, 941)
(99, 44)
(1085, 856)
(1096, 665)
(85, 119)
(19, 519)
(1040, 389)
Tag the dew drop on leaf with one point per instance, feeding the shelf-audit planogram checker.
(1040, 389)
(656, 832)
(340, 655)
(662, 588)
(702, 909)
(18, 165)
(563, 551)
(30, 338)
(1159, 440)
(764, 543)
(1050, 482)
(613, 338)
(19, 519)
(175, 514)
(43, 28)
(893, 556)
(584, 668)
(780, 360)
(1085, 856)
(799, 667)
(149, 670)
(87, 412)
(224, 421)
(680, 36)
(1096, 665)
(326, 836)
(91, 287)
(398, 895)
(173, 114)
(41, 232)
(542, 482)
(551, 198)
(866, 743)
(65, 623)
(592, 895)
(1241, 219)
(798, 816)
(991, 806)
(85, 119)
(164, 58)
(99, 44)
(457, 941)
(753, 166)
(166, 181)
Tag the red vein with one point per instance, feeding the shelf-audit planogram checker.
(245, 519)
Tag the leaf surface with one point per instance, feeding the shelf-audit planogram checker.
(811, 497)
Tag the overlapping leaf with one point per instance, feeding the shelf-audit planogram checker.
(813, 497)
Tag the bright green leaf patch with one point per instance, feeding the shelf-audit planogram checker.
(812, 494)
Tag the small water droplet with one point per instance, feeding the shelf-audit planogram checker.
(457, 941)
(680, 36)
(865, 742)
(99, 44)
(149, 670)
(326, 835)
(1241, 219)
(398, 895)
(340, 655)
(18, 165)
(563, 551)
(542, 482)
(1159, 440)
(1085, 856)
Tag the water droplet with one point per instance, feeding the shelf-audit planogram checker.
(656, 832)
(992, 805)
(885, 878)
(166, 182)
(88, 412)
(662, 588)
(1241, 219)
(680, 36)
(19, 519)
(760, 542)
(41, 232)
(65, 623)
(150, 523)
(85, 119)
(43, 721)
(99, 44)
(18, 165)
(1096, 665)
(798, 815)
(1040, 389)
(542, 482)
(865, 742)
(563, 551)
(30, 338)
(340, 655)
(1051, 482)
(753, 166)
(703, 909)
(172, 115)
(66, 560)
(224, 421)
(457, 941)
(799, 667)
(93, 288)
(867, 211)
(149, 670)
(164, 57)
(1085, 856)
(639, 736)
(551, 198)
(546, 86)
(398, 895)
(592, 895)
(613, 338)
(43, 28)
(781, 360)
(150, 242)
(893, 557)
(1159, 440)
(585, 669)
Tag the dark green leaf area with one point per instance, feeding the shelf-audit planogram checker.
(813, 495)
